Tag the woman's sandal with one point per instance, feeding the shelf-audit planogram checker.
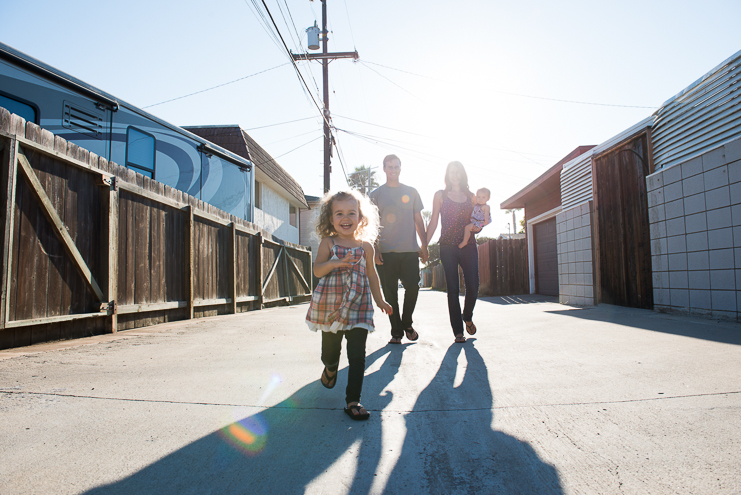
(470, 327)
(354, 412)
(330, 381)
(411, 331)
(460, 339)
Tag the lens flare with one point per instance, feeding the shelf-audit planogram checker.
(391, 218)
(248, 435)
(405, 199)
(275, 380)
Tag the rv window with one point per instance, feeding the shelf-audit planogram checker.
(140, 148)
(19, 108)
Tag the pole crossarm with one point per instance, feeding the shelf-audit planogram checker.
(325, 56)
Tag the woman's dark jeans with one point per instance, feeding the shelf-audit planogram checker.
(331, 348)
(468, 259)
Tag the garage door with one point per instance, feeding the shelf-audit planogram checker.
(546, 258)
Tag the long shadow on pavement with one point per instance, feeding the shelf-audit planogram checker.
(518, 299)
(450, 446)
(279, 450)
(646, 319)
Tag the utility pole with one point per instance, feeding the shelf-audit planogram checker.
(325, 57)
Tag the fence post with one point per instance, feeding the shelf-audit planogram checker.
(258, 264)
(113, 254)
(9, 227)
(233, 262)
(191, 296)
(286, 278)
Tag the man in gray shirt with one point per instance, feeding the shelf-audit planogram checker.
(397, 254)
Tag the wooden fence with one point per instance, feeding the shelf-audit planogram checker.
(503, 269)
(91, 247)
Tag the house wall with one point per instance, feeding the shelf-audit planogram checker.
(273, 215)
(695, 230)
(308, 235)
(548, 198)
(575, 259)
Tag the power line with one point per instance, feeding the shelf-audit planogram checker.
(352, 35)
(340, 155)
(436, 158)
(435, 138)
(364, 62)
(389, 80)
(217, 86)
(273, 158)
(293, 62)
(279, 123)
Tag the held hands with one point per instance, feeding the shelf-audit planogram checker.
(424, 254)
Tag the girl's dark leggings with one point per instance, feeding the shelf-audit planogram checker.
(331, 347)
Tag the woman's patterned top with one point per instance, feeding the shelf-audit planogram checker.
(453, 219)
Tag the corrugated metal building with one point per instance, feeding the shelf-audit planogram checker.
(650, 218)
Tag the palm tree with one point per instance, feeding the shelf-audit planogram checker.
(363, 179)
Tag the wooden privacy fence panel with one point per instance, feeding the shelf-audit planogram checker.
(503, 269)
(92, 247)
(623, 248)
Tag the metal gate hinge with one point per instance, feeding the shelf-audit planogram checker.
(111, 307)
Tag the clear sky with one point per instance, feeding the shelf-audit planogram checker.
(467, 80)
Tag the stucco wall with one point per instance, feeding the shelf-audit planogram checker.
(695, 227)
(273, 215)
(575, 258)
(308, 234)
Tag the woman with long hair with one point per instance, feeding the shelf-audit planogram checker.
(452, 206)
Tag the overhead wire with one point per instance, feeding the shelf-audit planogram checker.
(298, 44)
(215, 87)
(520, 153)
(421, 155)
(365, 62)
(280, 123)
(293, 62)
(265, 26)
(361, 62)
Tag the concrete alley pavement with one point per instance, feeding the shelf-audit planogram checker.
(544, 399)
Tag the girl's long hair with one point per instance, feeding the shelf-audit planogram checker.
(368, 219)
(463, 175)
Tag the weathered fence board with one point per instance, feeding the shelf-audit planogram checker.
(154, 253)
(502, 269)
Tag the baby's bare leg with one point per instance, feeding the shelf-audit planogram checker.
(466, 235)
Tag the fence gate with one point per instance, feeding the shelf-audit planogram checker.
(621, 204)
(91, 247)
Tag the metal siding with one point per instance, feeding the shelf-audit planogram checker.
(576, 183)
(703, 116)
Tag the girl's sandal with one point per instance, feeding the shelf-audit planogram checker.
(354, 412)
(470, 327)
(460, 339)
(327, 381)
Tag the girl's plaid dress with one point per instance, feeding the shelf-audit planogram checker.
(342, 299)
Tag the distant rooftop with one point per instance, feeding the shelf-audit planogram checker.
(234, 139)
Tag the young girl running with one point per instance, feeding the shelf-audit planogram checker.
(341, 304)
